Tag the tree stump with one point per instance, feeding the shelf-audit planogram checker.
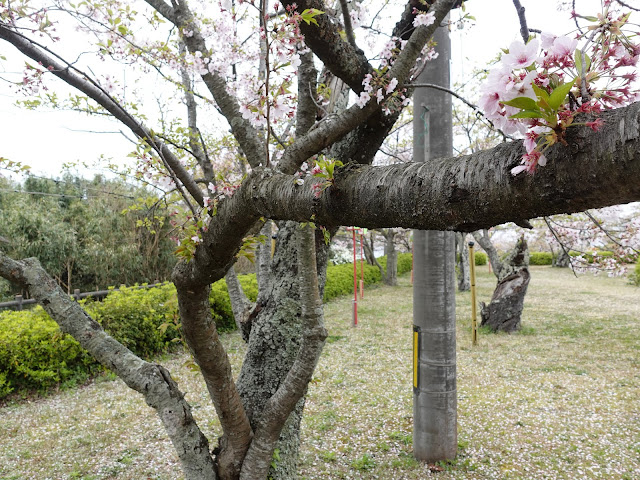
(504, 311)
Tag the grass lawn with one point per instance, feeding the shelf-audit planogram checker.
(559, 400)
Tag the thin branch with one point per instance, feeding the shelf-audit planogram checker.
(575, 18)
(464, 100)
(83, 82)
(348, 28)
(555, 235)
(624, 4)
(606, 232)
(524, 30)
(242, 130)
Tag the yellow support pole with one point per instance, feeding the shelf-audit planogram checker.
(474, 302)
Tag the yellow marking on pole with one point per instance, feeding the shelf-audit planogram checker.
(415, 359)
(472, 277)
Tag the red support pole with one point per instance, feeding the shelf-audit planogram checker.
(361, 269)
(355, 282)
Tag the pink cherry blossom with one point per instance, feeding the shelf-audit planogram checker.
(424, 19)
(363, 99)
(521, 55)
(563, 47)
(392, 85)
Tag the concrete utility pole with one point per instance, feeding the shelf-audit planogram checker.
(434, 287)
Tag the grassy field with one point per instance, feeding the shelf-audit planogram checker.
(560, 400)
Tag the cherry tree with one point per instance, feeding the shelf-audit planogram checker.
(263, 141)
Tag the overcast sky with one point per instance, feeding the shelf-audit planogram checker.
(45, 140)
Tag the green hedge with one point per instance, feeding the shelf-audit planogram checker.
(221, 304)
(143, 320)
(540, 258)
(589, 256)
(36, 355)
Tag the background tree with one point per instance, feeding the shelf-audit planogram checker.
(89, 233)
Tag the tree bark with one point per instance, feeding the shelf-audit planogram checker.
(464, 283)
(504, 312)
(274, 344)
(391, 274)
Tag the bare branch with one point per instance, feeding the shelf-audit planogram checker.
(524, 30)
(348, 28)
(82, 81)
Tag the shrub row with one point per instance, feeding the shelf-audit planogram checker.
(540, 258)
(546, 258)
(36, 355)
(340, 277)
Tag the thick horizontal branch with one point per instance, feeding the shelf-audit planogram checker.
(476, 191)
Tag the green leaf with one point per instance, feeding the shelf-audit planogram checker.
(559, 94)
(524, 103)
(309, 14)
(541, 93)
(529, 114)
(578, 58)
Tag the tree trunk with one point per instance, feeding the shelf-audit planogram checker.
(482, 237)
(369, 249)
(274, 343)
(434, 288)
(391, 275)
(504, 312)
(562, 260)
(462, 270)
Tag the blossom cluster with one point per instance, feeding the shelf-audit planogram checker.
(322, 168)
(538, 88)
(284, 43)
(612, 230)
(378, 85)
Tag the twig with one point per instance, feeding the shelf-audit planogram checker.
(553, 232)
(524, 30)
(348, 28)
(575, 19)
(606, 232)
(625, 5)
(462, 99)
